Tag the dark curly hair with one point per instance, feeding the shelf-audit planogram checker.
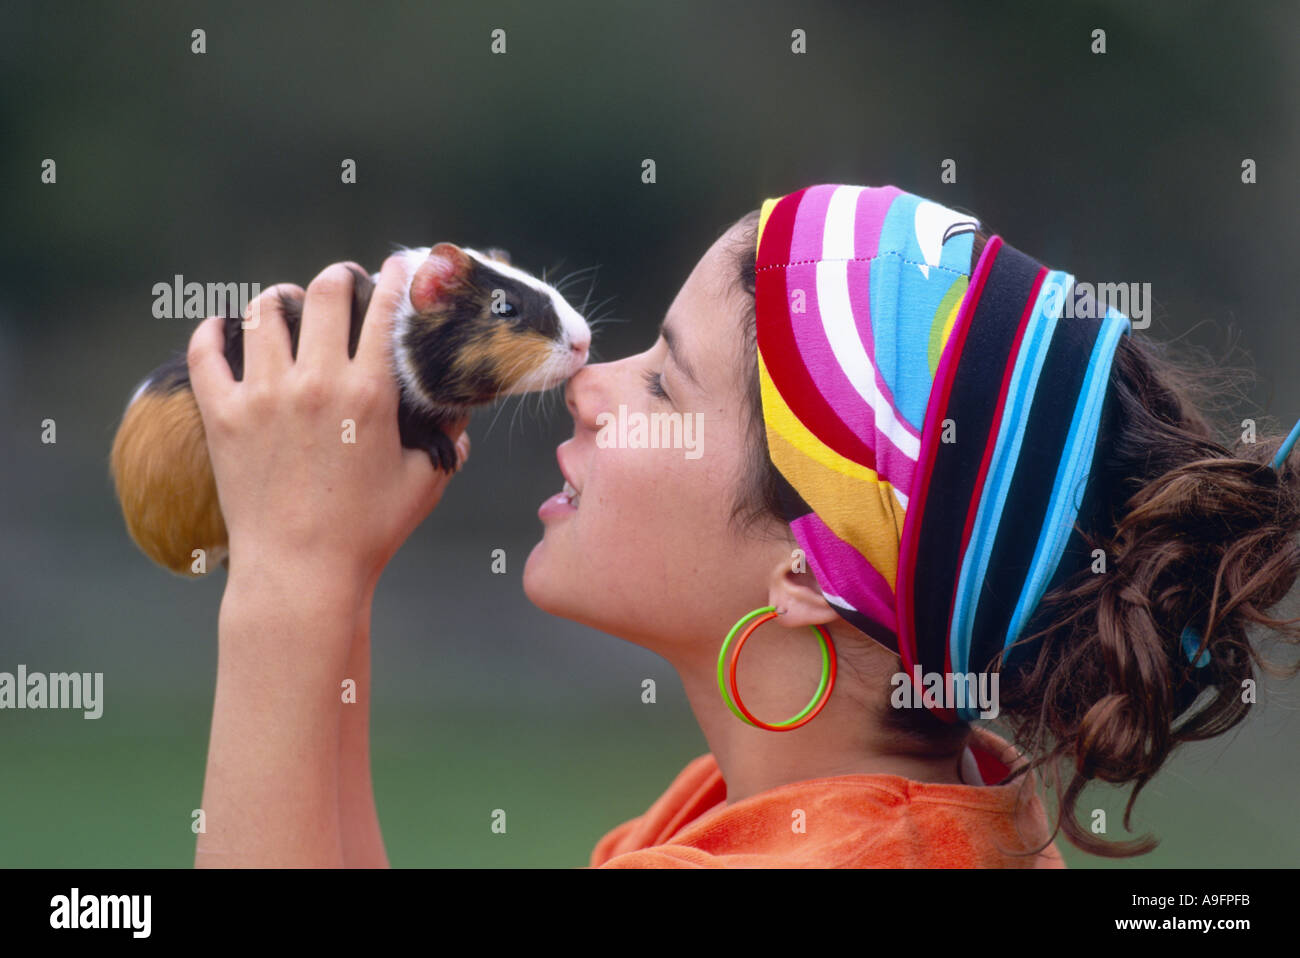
(1192, 532)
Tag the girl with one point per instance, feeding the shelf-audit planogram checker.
(953, 488)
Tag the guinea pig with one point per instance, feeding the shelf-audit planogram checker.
(470, 328)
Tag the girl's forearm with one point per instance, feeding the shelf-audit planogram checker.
(363, 843)
(271, 790)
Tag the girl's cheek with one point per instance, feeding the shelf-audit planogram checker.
(630, 489)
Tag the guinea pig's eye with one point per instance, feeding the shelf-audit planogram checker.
(504, 308)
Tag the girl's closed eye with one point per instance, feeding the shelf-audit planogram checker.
(654, 385)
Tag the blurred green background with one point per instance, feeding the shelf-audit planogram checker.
(225, 166)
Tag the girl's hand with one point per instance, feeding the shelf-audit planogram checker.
(308, 460)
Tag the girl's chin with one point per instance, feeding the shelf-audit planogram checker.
(548, 582)
(537, 578)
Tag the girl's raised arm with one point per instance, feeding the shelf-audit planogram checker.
(318, 494)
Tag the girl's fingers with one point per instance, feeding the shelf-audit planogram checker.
(430, 484)
(327, 317)
(267, 353)
(458, 433)
(210, 374)
(374, 349)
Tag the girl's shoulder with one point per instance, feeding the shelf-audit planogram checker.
(846, 821)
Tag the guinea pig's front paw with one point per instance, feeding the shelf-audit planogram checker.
(442, 452)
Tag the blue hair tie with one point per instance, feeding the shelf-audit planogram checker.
(1192, 642)
(1285, 449)
(1191, 637)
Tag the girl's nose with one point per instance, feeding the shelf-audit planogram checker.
(576, 385)
(588, 391)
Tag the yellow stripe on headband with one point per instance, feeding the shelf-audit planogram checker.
(852, 500)
(764, 212)
(778, 415)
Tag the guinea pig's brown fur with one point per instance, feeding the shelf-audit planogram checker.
(164, 482)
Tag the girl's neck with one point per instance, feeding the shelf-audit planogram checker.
(842, 740)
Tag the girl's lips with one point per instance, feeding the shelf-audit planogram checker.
(557, 505)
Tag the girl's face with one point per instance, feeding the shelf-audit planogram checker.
(649, 552)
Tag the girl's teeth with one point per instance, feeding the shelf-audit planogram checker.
(571, 492)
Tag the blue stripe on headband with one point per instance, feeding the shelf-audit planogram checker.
(1071, 477)
(1032, 355)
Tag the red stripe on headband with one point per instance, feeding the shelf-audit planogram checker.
(990, 443)
(778, 232)
(936, 410)
(776, 342)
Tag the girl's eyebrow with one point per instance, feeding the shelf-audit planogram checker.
(674, 350)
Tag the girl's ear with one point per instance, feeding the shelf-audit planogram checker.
(797, 597)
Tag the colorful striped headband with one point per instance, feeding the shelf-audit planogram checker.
(935, 425)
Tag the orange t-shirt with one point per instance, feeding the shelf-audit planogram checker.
(848, 821)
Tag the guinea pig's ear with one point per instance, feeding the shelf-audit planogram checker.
(446, 267)
(498, 254)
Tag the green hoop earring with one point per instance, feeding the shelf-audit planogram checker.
(809, 711)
